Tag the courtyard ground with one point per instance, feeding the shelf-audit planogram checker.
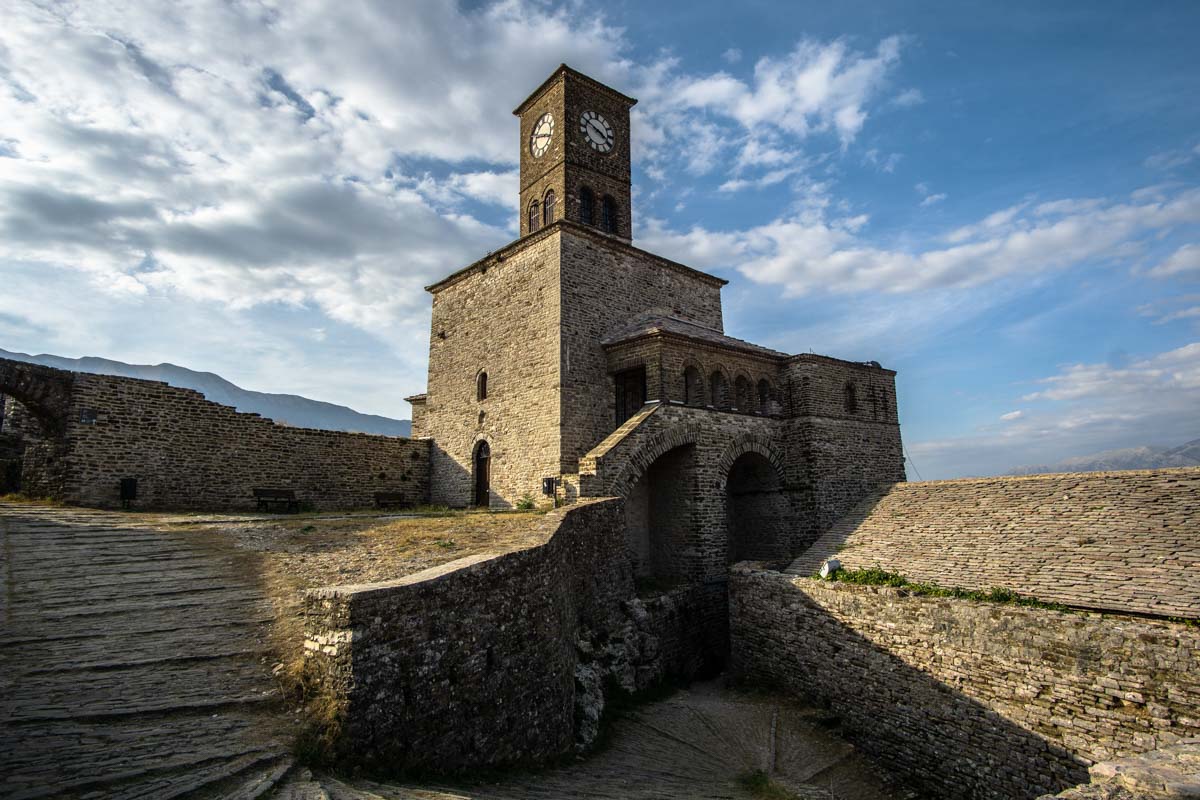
(140, 657)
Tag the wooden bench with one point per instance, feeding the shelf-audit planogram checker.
(391, 500)
(268, 498)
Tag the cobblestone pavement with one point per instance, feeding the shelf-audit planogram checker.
(134, 662)
(695, 744)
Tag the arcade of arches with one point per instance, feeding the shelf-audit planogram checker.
(666, 520)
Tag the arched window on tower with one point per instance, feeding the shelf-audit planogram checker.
(587, 206)
(608, 214)
(548, 208)
(851, 401)
(535, 216)
(481, 386)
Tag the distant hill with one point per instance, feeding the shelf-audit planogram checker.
(287, 409)
(1185, 455)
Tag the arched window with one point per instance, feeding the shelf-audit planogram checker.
(693, 387)
(741, 393)
(534, 216)
(608, 214)
(764, 396)
(587, 206)
(481, 386)
(548, 208)
(851, 399)
(720, 390)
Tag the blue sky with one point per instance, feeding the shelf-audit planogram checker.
(1000, 201)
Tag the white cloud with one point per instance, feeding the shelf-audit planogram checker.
(1184, 261)
(908, 98)
(814, 251)
(1012, 415)
(731, 56)
(1085, 408)
(933, 199)
(817, 88)
(1163, 375)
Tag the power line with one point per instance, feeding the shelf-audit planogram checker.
(908, 458)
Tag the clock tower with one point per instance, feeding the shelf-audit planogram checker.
(575, 155)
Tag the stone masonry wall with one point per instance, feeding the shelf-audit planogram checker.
(504, 320)
(189, 453)
(604, 286)
(1119, 541)
(492, 660)
(969, 699)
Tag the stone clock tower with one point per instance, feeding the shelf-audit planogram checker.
(575, 155)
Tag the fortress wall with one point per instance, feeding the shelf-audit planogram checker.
(1118, 541)
(189, 453)
(969, 699)
(491, 660)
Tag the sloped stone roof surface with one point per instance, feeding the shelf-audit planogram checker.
(646, 326)
(1111, 541)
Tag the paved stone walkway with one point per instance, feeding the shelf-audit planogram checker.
(694, 744)
(134, 663)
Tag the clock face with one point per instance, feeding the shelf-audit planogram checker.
(596, 131)
(539, 140)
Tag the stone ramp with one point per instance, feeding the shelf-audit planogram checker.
(1108, 541)
(695, 744)
(134, 662)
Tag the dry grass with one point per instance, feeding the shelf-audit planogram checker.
(295, 553)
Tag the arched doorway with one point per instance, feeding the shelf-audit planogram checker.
(482, 469)
(659, 517)
(757, 512)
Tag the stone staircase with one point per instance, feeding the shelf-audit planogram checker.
(699, 743)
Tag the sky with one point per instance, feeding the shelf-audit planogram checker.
(1001, 201)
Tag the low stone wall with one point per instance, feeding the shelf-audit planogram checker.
(189, 453)
(1111, 541)
(495, 660)
(969, 699)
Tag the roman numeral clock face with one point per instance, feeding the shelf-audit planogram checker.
(596, 131)
(539, 140)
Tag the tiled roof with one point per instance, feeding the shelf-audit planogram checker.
(646, 326)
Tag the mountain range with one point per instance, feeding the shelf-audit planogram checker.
(286, 409)
(1146, 457)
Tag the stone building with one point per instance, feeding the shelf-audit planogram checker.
(571, 354)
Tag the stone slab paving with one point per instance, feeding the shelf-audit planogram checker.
(694, 744)
(134, 662)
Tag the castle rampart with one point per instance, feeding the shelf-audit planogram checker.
(189, 453)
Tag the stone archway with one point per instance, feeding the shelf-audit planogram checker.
(760, 522)
(660, 516)
(33, 435)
